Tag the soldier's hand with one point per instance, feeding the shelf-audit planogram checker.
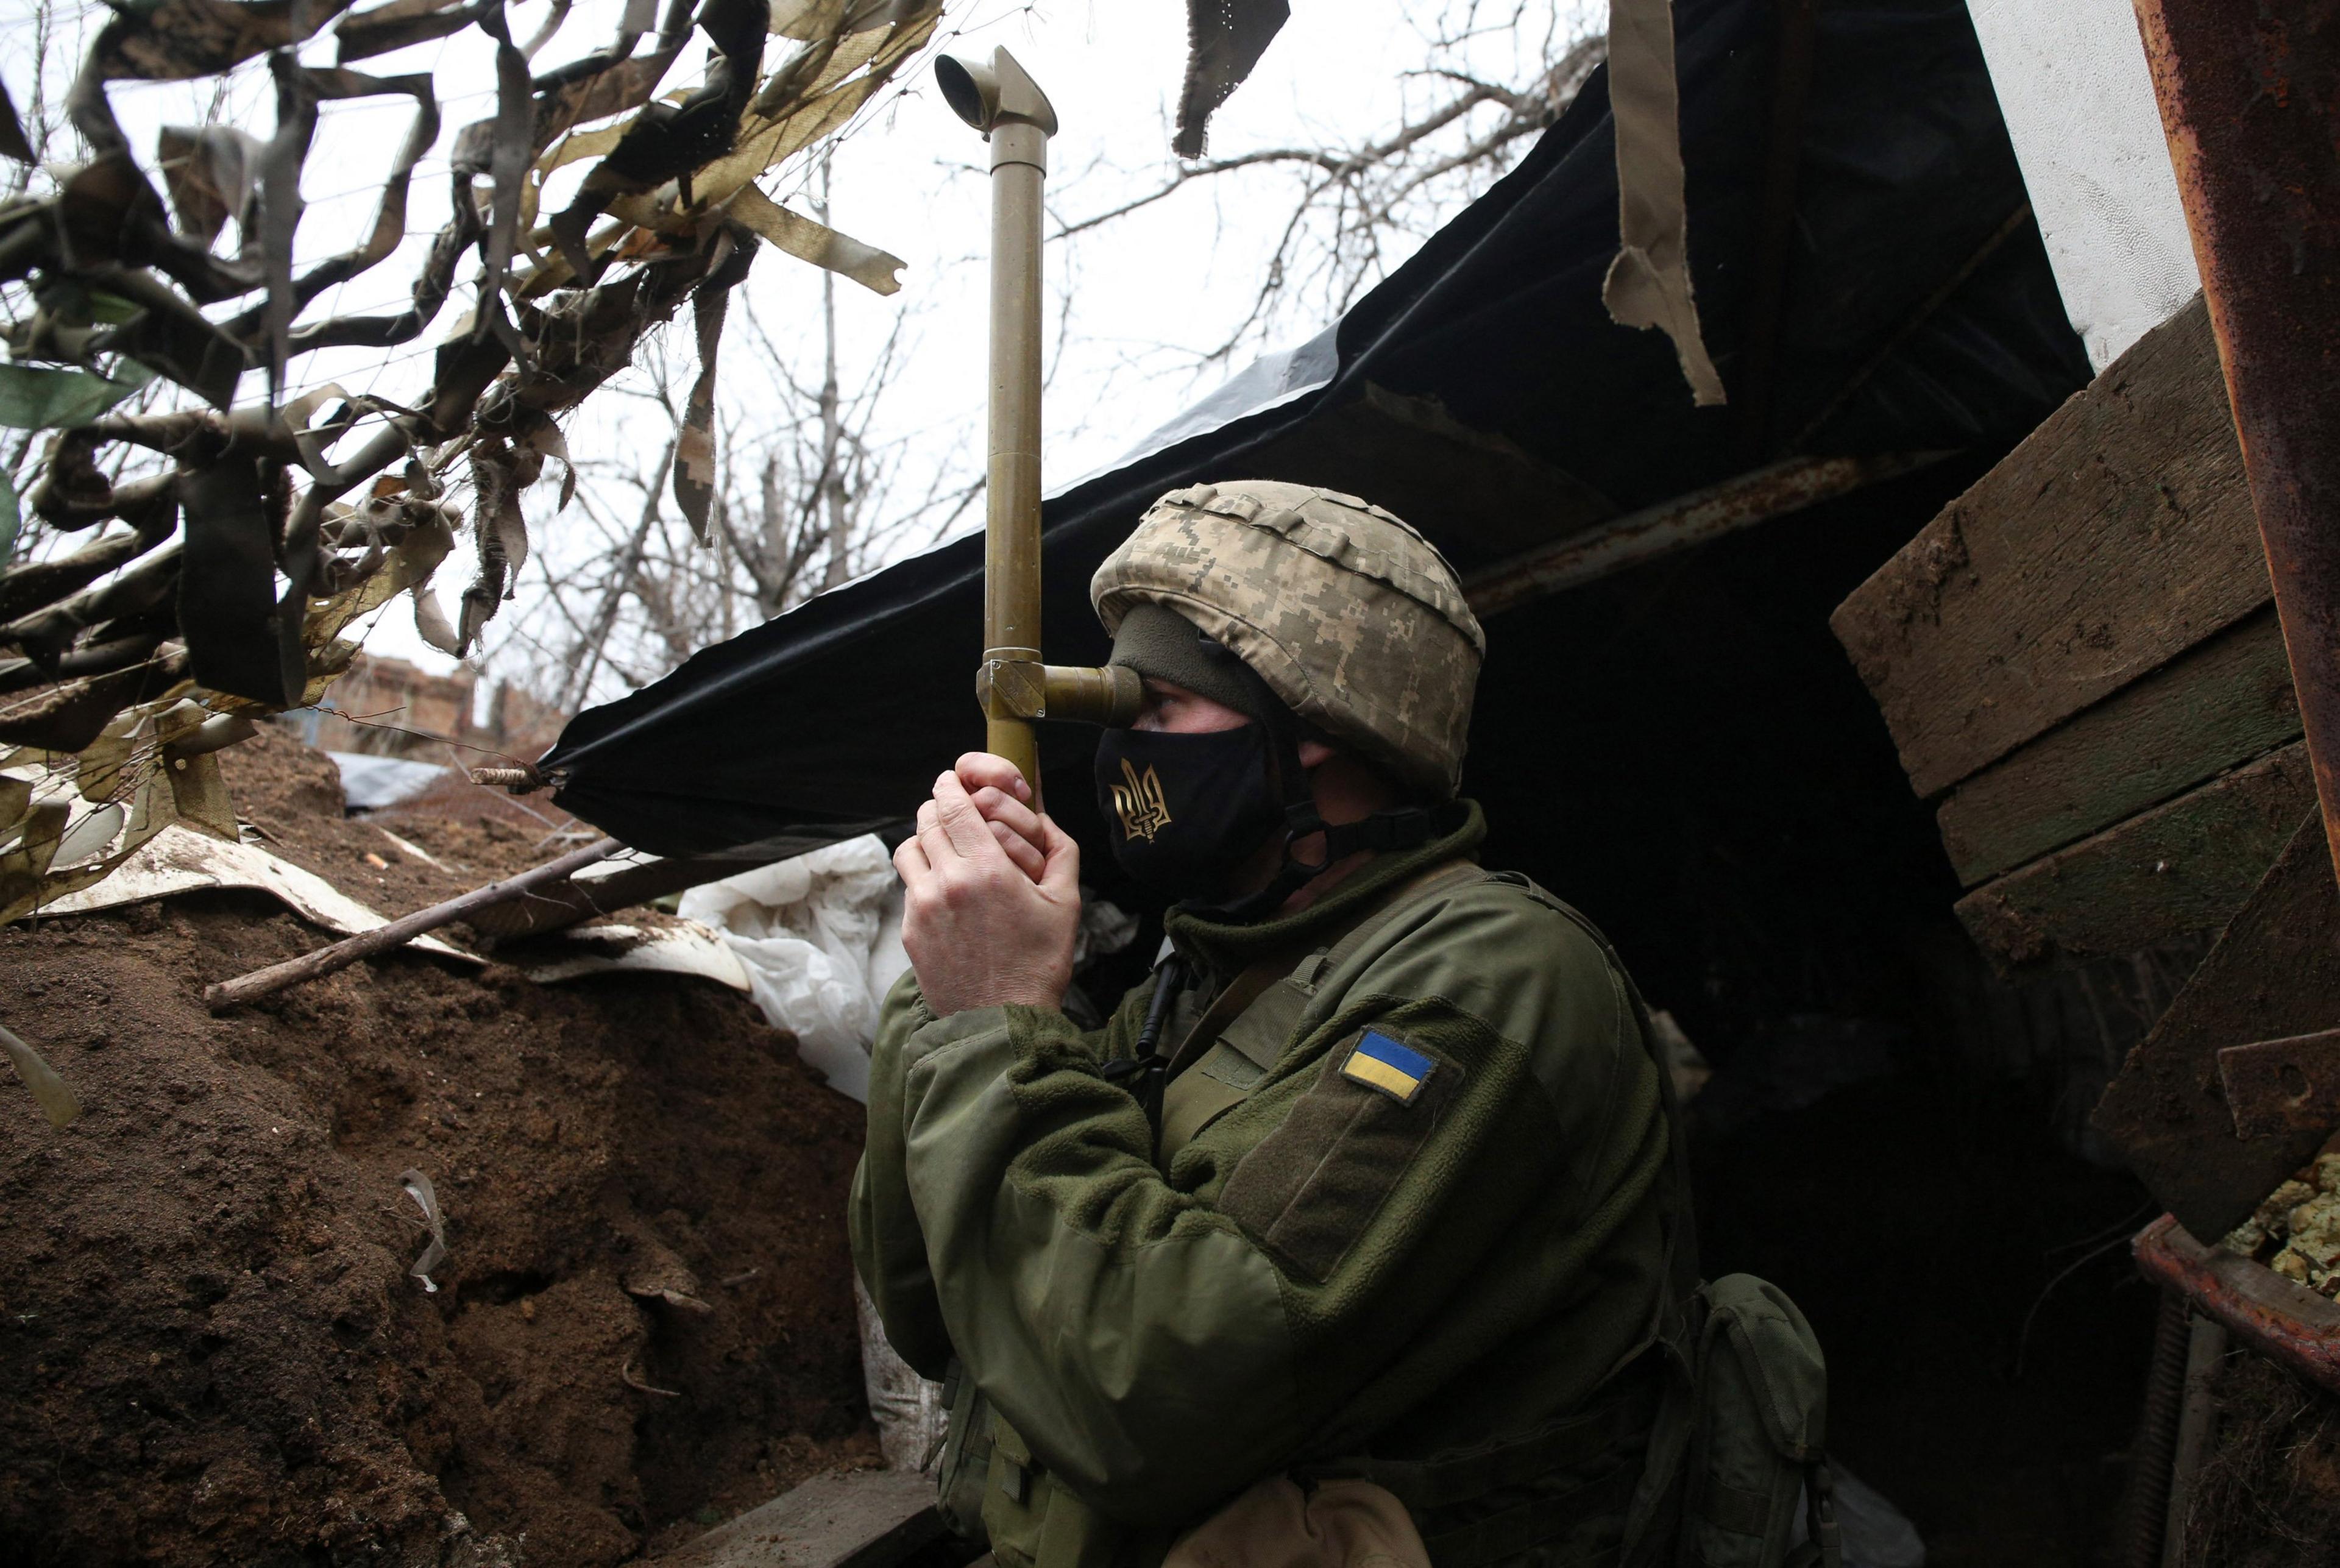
(1004, 798)
(980, 930)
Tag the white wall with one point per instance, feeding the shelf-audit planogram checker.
(2077, 95)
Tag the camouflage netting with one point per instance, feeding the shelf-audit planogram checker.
(217, 582)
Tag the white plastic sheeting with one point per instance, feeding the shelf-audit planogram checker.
(1874, 1533)
(2073, 84)
(907, 1411)
(689, 950)
(180, 860)
(820, 935)
(371, 783)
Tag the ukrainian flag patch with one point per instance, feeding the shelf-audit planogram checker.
(1381, 1063)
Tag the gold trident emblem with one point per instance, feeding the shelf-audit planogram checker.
(1140, 803)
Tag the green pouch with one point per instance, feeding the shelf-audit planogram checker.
(1031, 1518)
(1015, 1497)
(966, 1468)
(1755, 1440)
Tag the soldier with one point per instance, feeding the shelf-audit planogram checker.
(1353, 1230)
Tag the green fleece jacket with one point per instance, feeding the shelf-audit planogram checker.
(1331, 1267)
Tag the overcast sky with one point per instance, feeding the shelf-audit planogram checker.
(1149, 294)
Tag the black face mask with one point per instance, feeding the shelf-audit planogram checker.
(1183, 811)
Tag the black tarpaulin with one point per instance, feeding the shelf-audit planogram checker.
(1918, 313)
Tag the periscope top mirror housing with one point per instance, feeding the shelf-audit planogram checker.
(987, 96)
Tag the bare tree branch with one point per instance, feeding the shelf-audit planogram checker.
(1352, 204)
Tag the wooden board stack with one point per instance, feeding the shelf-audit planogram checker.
(2079, 659)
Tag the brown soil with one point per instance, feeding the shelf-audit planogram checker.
(2268, 1493)
(210, 1348)
(457, 798)
(292, 797)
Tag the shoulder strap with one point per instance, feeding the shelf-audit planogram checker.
(1652, 1516)
(1249, 988)
(1239, 1037)
(1439, 878)
(1682, 1238)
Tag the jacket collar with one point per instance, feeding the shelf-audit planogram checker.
(1226, 948)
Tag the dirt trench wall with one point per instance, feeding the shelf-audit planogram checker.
(210, 1349)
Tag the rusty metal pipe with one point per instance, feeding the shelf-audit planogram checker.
(2249, 95)
(2285, 1323)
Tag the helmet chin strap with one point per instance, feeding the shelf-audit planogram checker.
(1392, 828)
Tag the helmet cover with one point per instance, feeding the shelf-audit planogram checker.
(1350, 616)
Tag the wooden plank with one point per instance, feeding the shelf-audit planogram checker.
(2120, 534)
(2274, 971)
(848, 1519)
(2218, 704)
(2184, 866)
(1685, 522)
(565, 904)
(1410, 455)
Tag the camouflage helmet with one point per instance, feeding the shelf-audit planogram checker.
(1349, 615)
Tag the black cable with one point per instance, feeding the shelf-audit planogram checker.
(1146, 1063)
